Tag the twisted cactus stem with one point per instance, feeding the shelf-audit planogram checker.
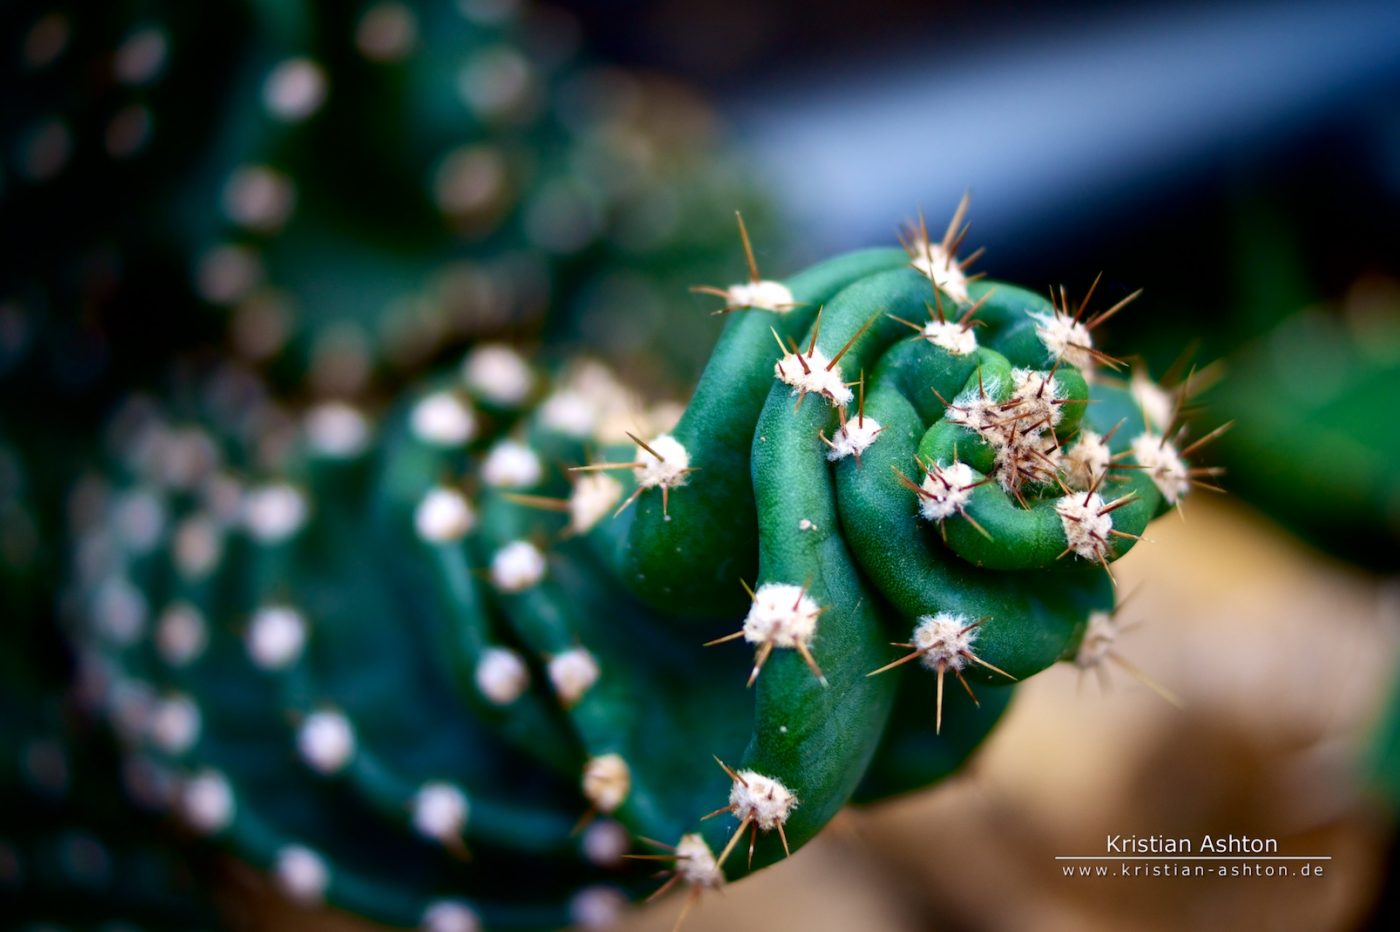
(498, 627)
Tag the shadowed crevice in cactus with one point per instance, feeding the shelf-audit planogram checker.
(522, 626)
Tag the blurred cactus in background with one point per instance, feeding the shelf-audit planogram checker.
(454, 661)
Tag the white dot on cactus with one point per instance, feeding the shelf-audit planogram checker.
(941, 267)
(668, 470)
(326, 741)
(295, 89)
(141, 56)
(273, 513)
(853, 438)
(440, 812)
(946, 490)
(46, 40)
(227, 273)
(695, 862)
(140, 519)
(120, 611)
(1086, 463)
(128, 131)
(511, 465)
(181, 634)
(593, 499)
(781, 614)
(597, 907)
(571, 413)
(198, 545)
(768, 295)
(276, 637)
(605, 842)
(1100, 634)
(572, 674)
(46, 150)
(760, 799)
(443, 516)
(302, 874)
(951, 336)
(1035, 393)
(259, 198)
(450, 916)
(498, 374)
(261, 324)
(207, 803)
(387, 32)
(1163, 464)
(443, 419)
(175, 724)
(501, 675)
(606, 782)
(471, 183)
(517, 566)
(1065, 339)
(810, 373)
(1155, 402)
(1086, 530)
(496, 83)
(338, 430)
(944, 639)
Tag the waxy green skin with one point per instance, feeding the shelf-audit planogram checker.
(399, 624)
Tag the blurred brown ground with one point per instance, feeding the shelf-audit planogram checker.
(1282, 659)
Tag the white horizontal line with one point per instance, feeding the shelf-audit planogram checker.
(1242, 857)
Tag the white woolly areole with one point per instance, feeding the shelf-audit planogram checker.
(181, 634)
(272, 513)
(140, 519)
(295, 89)
(593, 498)
(767, 295)
(450, 916)
(1099, 637)
(1156, 403)
(120, 611)
(669, 470)
(597, 907)
(498, 374)
(975, 409)
(853, 438)
(781, 614)
(1164, 464)
(517, 566)
(944, 639)
(947, 491)
(199, 542)
(174, 724)
(940, 267)
(1065, 338)
(326, 741)
(1086, 463)
(606, 782)
(761, 800)
(276, 637)
(809, 373)
(443, 419)
(337, 430)
(501, 675)
(1086, 531)
(572, 673)
(957, 339)
(440, 811)
(302, 874)
(511, 465)
(206, 802)
(571, 413)
(1035, 393)
(443, 516)
(605, 842)
(695, 862)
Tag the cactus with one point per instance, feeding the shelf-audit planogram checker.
(458, 661)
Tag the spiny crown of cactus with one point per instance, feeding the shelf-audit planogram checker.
(528, 619)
